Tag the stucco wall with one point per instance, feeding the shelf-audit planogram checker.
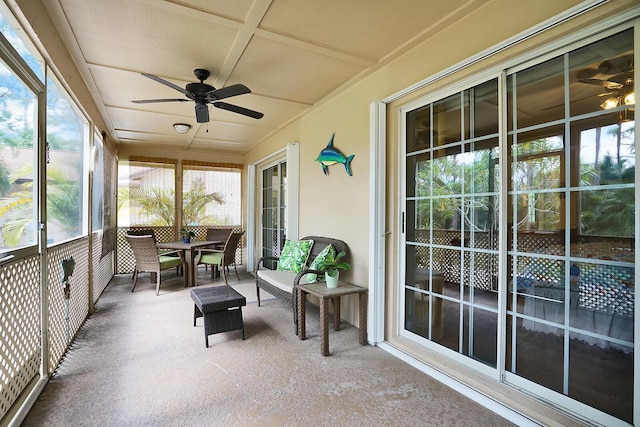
(347, 114)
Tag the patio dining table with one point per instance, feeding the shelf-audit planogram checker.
(188, 255)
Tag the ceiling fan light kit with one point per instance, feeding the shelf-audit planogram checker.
(619, 83)
(203, 94)
(626, 97)
(182, 127)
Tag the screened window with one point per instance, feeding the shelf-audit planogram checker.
(146, 194)
(211, 196)
(12, 32)
(97, 202)
(18, 155)
(67, 144)
(18, 140)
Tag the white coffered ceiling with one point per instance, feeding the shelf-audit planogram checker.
(291, 54)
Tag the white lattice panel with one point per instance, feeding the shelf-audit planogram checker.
(102, 267)
(19, 328)
(78, 303)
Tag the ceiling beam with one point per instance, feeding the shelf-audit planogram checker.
(253, 19)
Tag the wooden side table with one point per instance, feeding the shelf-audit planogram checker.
(325, 294)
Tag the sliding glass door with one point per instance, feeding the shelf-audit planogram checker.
(548, 303)
(274, 189)
(571, 254)
(452, 182)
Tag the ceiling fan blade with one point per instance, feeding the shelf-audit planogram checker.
(621, 78)
(226, 92)
(148, 101)
(586, 73)
(202, 113)
(604, 83)
(168, 83)
(240, 110)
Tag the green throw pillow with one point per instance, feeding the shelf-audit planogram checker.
(294, 255)
(329, 249)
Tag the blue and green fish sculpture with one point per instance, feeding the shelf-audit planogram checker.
(331, 155)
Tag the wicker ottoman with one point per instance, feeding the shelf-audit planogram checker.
(221, 307)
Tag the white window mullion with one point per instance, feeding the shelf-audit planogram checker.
(503, 220)
(377, 222)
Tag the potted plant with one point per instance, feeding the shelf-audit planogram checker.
(331, 266)
(187, 234)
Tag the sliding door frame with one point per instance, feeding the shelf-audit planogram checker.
(379, 144)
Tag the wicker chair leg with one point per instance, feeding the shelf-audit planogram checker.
(224, 272)
(294, 303)
(158, 283)
(258, 294)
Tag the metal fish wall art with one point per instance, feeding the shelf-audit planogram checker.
(331, 155)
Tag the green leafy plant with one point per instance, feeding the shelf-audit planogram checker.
(185, 232)
(157, 204)
(332, 263)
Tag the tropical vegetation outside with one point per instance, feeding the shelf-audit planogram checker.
(67, 139)
(606, 185)
(146, 196)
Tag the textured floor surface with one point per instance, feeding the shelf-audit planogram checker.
(139, 361)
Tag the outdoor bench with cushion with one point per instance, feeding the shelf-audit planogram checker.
(293, 267)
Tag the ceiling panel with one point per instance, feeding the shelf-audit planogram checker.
(229, 131)
(143, 121)
(291, 73)
(291, 54)
(369, 28)
(147, 39)
(219, 146)
(236, 9)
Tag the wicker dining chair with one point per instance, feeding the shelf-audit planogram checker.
(148, 260)
(218, 234)
(150, 232)
(143, 232)
(222, 259)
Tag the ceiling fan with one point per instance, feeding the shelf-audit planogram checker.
(618, 81)
(203, 94)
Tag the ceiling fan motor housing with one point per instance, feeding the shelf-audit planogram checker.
(199, 89)
(202, 112)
